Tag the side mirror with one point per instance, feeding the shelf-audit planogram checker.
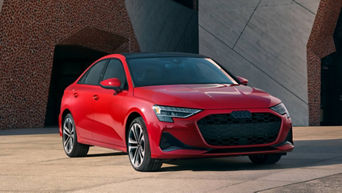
(242, 80)
(111, 83)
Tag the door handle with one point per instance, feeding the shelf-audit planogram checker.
(75, 94)
(96, 97)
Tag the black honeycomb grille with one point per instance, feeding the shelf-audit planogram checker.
(229, 130)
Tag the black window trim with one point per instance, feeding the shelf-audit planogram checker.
(101, 76)
(123, 67)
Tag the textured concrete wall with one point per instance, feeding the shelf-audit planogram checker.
(264, 41)
(29, 32)
(163, 25)
(321, 43)
(1, 2)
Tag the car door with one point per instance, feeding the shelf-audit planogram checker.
(108, 107)
(85, 99)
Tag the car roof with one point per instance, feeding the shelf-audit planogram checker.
(160, 54)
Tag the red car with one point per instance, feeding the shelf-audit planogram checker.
(158, 106)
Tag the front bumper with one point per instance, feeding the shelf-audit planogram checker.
(187, 140)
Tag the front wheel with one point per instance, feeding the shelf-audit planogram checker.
(69, 137)
(265, 158)
(138, 147)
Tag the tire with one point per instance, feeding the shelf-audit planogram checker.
(265, 158)
(138, 147)
(69, 139)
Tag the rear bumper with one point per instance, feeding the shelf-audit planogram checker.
(188, 141)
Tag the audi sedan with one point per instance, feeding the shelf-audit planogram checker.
(159, 106)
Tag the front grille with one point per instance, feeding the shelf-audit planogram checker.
(245, 129)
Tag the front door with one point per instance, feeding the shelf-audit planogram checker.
(85, 95)
(109, 107)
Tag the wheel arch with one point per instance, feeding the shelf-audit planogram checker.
(129, 120)
(65, 112)
(131, 116)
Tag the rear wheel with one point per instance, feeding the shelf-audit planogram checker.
(138, 147)
(69, 138)
(265, 158)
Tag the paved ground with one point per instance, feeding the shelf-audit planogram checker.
(32, 160)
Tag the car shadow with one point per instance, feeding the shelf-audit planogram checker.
(106, 154)
(308, 153)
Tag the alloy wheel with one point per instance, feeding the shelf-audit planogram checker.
(136, 145)
(68, 135)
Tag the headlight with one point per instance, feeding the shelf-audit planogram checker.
(280, 109)
(166, 114)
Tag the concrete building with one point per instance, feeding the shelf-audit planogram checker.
(165, 25)
(289, 48)
(278, 45)
(45, 45)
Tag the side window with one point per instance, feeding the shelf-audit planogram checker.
(116, 70)
(94, 73)
(83, 78)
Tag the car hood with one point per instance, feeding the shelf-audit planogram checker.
(213, 96)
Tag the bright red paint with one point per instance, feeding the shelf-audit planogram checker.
(101, 114)
(112, 82)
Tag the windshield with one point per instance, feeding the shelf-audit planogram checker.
(177, 70)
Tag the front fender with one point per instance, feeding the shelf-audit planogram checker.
(151, 122)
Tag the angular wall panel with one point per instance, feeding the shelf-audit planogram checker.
(270, 50)
(163, 25)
